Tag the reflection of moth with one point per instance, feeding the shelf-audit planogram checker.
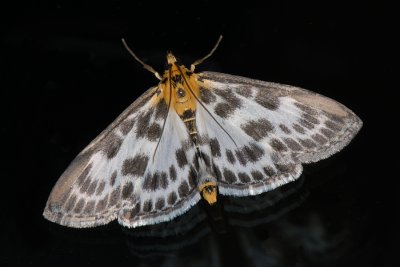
(194, 135)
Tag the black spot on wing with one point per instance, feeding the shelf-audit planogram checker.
(172, 197)
(154, 132)
(115, 196)
(244, 177)
(229, 97)
(113, 178)
(183, 189)
(215, 147)
(112, 145)
(142, 124)
(229, 176)
(160, 203)
(135, 166)
(127, 190)
(126, 126)
(100, 188)
(172, 173)
(257, 129)
(292, 144)
(267, 100)
(181, 158)
(207, 96)
(257, 175)
(161, 109)
(277, 145)
(147, 206)
(245, 91)
(230, 156)
(224, 110)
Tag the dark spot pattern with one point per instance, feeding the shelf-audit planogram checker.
(102, 204)
(127, 190)
(207, 96)
(306, 109)
(100, 188)
(115, 196)
(253, 153)
(267, 100)
(292, 144)
(206, 159)
(333, 126)
(84, 174)
(160, 203)
(112, 145)
(90, 191)
(79, 205)
(151, 181)
(319, 139)
(284, 168)
(135, 166)
(183, 189)
(306, 124)
(70, 203)
(308, 143)
(154, 132)
(284, 129)
(172, 173)
(229, 176)
(229, 97)
(164, 180)
(161, 109)
(230, 156)
(192, 177)
(335, 118)
(217, 172)
(89, 208)
(308, 117)
(328, 133)
(142, 124)
(277, 145)
(245, 91)
(224, 110)
(215, 148)
(85, 185)
(298, 128)
(172, 197)
(147, 206)
(181, 158)
(244, 177)
(126, 126)
(113, 178)
(257, 175)
(269, 171)
(241, 157)
(257, 129)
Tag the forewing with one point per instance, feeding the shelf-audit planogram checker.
(108, 178)
(275, 128)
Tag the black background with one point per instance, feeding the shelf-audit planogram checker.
(66, 76)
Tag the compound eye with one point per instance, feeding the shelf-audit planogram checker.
(181, 92)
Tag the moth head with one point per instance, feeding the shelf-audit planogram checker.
(171, 59)
(209, 192)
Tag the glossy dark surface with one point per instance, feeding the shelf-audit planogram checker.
(67, 76)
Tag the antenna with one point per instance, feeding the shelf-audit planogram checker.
(147, 67)
(197, 62)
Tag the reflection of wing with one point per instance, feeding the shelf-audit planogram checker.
(268, 131)
(117, 176)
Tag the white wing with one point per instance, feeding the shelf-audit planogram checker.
(259, 133)
(118, 175)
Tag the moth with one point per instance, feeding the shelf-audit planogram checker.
(193, 136)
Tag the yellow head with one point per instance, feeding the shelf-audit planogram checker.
(209, 192)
